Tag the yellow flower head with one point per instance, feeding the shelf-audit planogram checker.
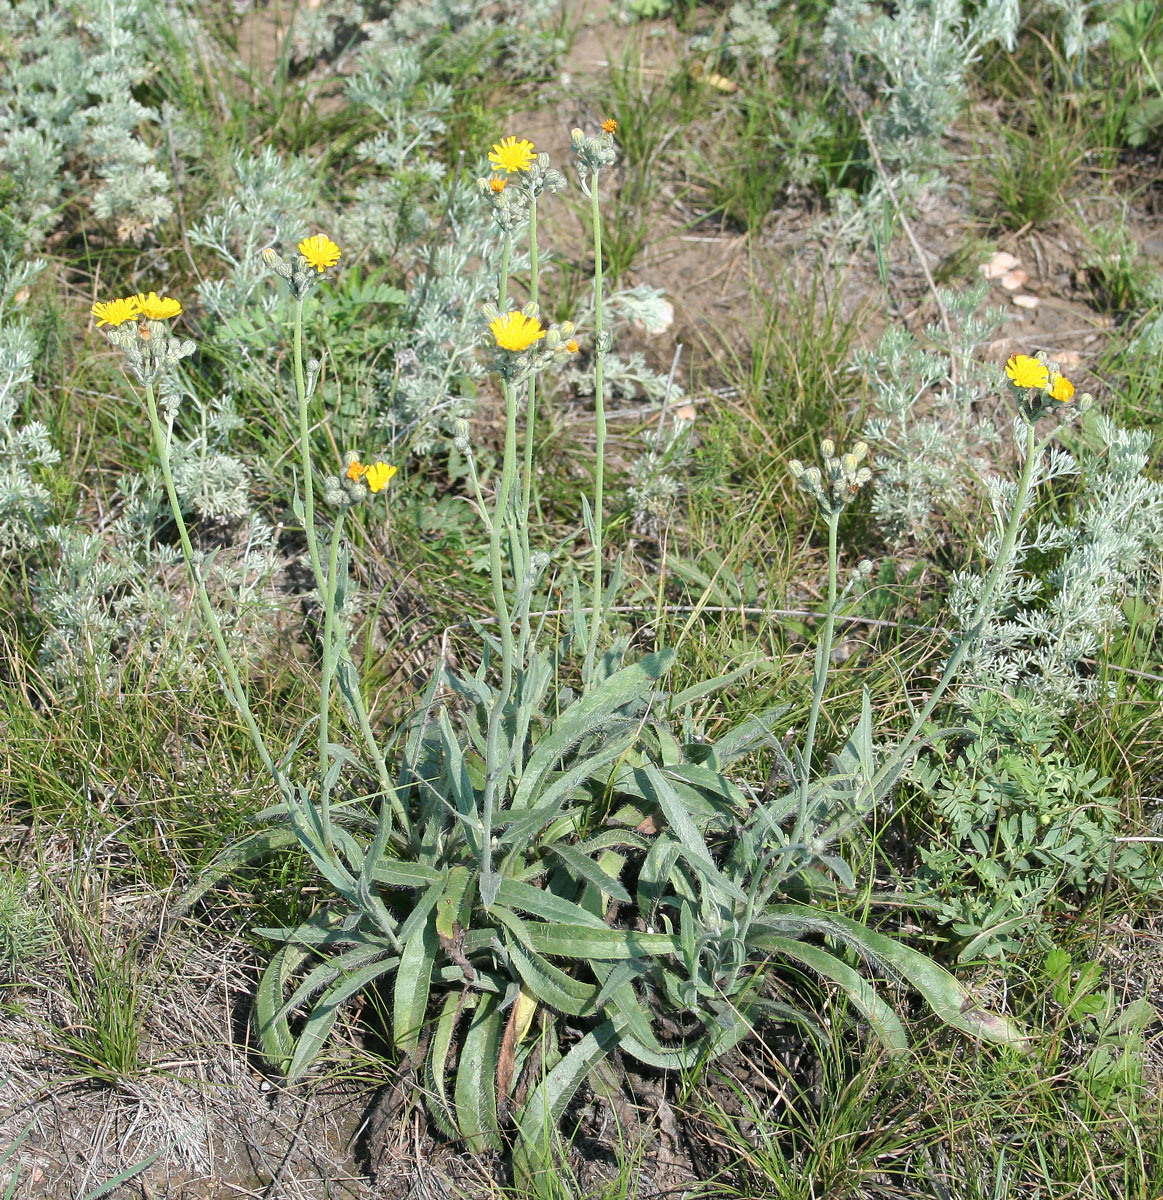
(321, 252)
(377, 475)
(1062, 390)
(497, 183)
(572, 346)
(609, 125)
(356, 469)
(156, 308)
(516, 331)
(512, 155)
(1027, 372)
(115, 312)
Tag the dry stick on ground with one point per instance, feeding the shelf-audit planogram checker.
(922, 261)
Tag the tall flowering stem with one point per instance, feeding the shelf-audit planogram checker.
(820, 672)
(335, 652)
(161, 445)
(530, 409)
(599, 428)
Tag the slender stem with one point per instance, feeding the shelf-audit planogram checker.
(599, 430)
(161, 444)
(496, 766)
(503, 281)
(340, 652)
(823, 651)
(305, 455)
(523, 516)
(330, 654)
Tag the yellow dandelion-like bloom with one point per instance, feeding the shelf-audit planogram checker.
(377, 475)
(1062, 390)
(356, 469)
(572, 346)
(516, 331)
(115, 312)
(609, 125)
(321, 252)
(1027, 372)
(498, 183)
(157, 308)
(512, 155)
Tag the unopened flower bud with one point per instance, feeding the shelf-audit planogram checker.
(827, 447)
(796, 468)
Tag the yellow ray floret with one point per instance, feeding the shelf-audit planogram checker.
(516, 331)
(115, 312)
(1062, 390)
(512, 155)
(1027, 372)
(156, 308)
(356, 469)
(609, 125)
(377, 475)
(497, 183)
(321, 252)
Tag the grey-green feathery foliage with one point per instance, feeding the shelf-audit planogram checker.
(25, 447)
(1062, 599)
(69, 124)
(931, 443)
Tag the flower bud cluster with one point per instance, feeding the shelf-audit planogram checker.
(298, 272)
(510, 195)
(460, 436)
(357, 482)
(593, 153)
(840, 481)
(521, 345)
(150, 352)
(1041, 389)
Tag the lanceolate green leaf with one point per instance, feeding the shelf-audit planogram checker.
(413, 981)
(694, 847)
(876, 1012)
(476, 1073)
(588, 715)
(538, 1122)
(584, 869)
(323, 1016)
(550, 984)
(944, 995)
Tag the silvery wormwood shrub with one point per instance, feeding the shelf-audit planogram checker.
(25, 447)
(931, 443)
(69, 125)
(1062, 601)
(907, 67)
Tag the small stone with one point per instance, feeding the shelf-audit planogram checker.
(999, 265)
(1024, 301)
(685, 412)
(1012, 280)
(1067, 358)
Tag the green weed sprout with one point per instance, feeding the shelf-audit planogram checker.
(541, 873)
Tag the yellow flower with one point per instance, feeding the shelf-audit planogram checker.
(497, 183)
(1027, 372)
(321, 252)
(377, 475)
(156, 308)
(115, 312)
(512, 155)
(609, 125)
(572, 346)
(516, 331)
(1062, 390)
(356, 469)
